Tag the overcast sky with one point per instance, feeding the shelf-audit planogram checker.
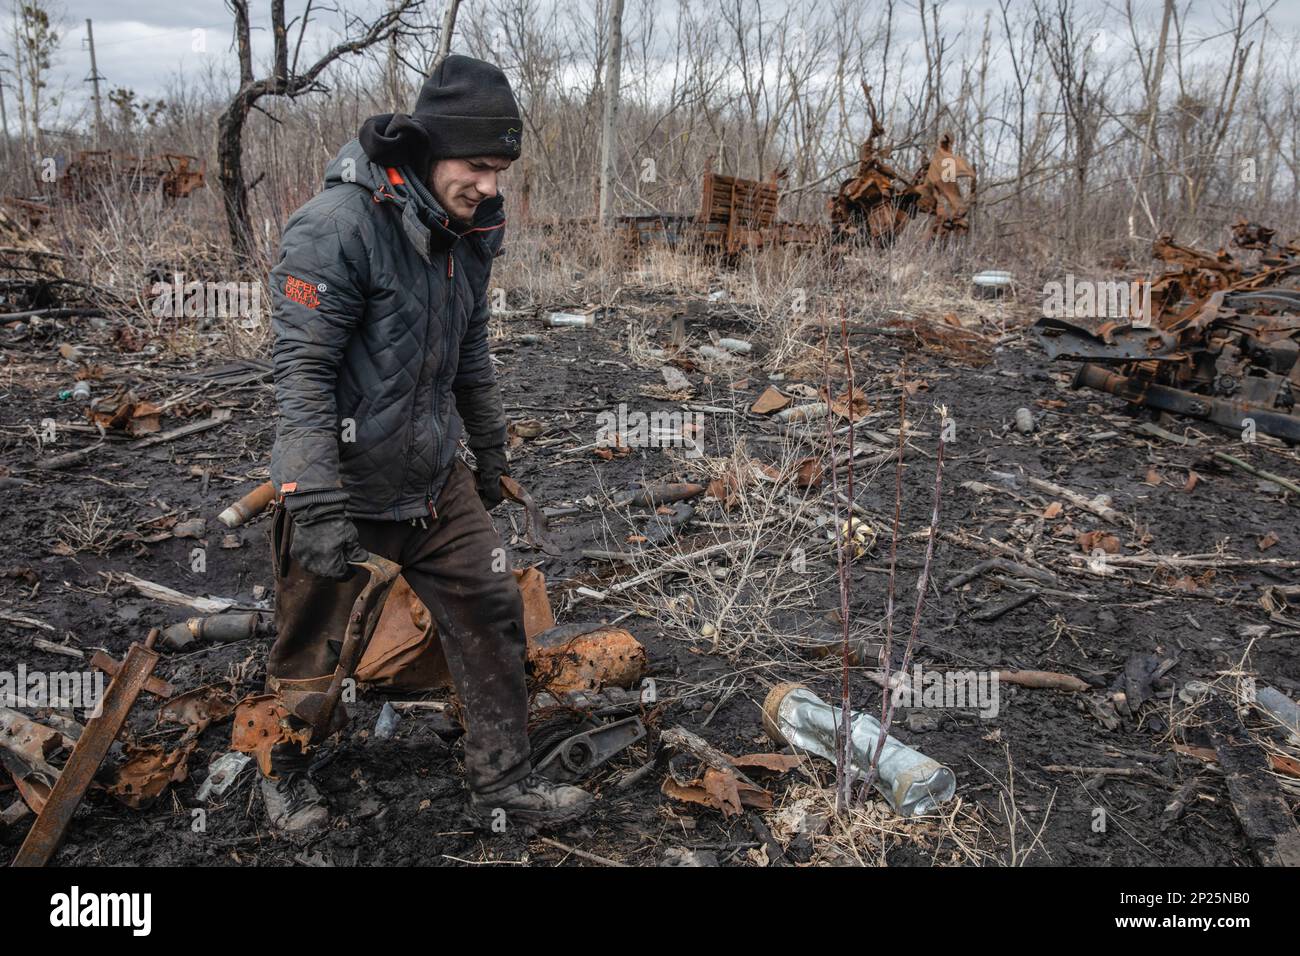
(144, 44)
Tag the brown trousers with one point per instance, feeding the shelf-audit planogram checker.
(457, 565)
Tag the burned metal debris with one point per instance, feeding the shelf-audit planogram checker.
(741, 215)
(130, 678)
(877, 202)
(91, 171)
(1220, 340)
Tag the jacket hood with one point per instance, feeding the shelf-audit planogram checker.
(426, 221)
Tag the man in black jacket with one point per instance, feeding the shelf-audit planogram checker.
(381, 365)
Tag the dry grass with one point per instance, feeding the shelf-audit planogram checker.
(125, 242)
(750, 603)
(86, 528)
(868, 834)
(573, 266)
(1015, 851)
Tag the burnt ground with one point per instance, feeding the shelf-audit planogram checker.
(398, 801)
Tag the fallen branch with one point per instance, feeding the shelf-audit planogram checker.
(1189, 561)
(219, 417)
(673, 564)
(997, 610)
(602, 860)
(1099, 505)
(69, 458)
(679, 738)
(160, 592)
(1235, 462)
(1136, 773)
(999, 564)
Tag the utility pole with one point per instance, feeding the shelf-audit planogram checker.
(94, 79)
(615, 49)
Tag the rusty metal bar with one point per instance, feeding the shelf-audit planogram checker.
(318, 708)
(46, 834)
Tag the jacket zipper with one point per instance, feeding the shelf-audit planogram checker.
(442, 368)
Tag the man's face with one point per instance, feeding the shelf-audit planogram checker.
(461, 184)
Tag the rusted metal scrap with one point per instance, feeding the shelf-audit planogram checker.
(735, 215)
(1219, 340)
(741, 215)
(130, 678)
(91, 171)
(878, 201)
(585, 657)
(148, 770)
(262, 722)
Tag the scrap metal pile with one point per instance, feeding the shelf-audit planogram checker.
(90, 171)
(878, 202)
(874, 205)
(586, 705)
(1220, 340)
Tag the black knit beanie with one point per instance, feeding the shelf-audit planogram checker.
(466, 108)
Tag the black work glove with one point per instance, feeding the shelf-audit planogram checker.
(491, 466)
(324, 539)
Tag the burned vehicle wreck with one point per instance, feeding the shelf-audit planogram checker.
(1218, 340)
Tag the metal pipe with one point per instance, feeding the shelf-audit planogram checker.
(1224, 412)
(248, 507)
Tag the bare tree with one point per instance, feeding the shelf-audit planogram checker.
(444, 35)
(285, 80)
(36, 40)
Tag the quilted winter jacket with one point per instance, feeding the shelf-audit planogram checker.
(380, 319)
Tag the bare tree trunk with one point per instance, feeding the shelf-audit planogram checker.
(444, 38)
(1153, 105)
(608, 131)
(230, 125)
(393, 70)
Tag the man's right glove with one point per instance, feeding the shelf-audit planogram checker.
(492, 465)
(324, 539)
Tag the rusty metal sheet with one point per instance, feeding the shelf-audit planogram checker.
(261, 722)
(199, 708)
(941, 195)
(34, 778)
(147, 772)
(877, 202)
(92, 172)
(27, 738)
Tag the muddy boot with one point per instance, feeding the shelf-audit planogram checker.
(294, 806)
(533, 801)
